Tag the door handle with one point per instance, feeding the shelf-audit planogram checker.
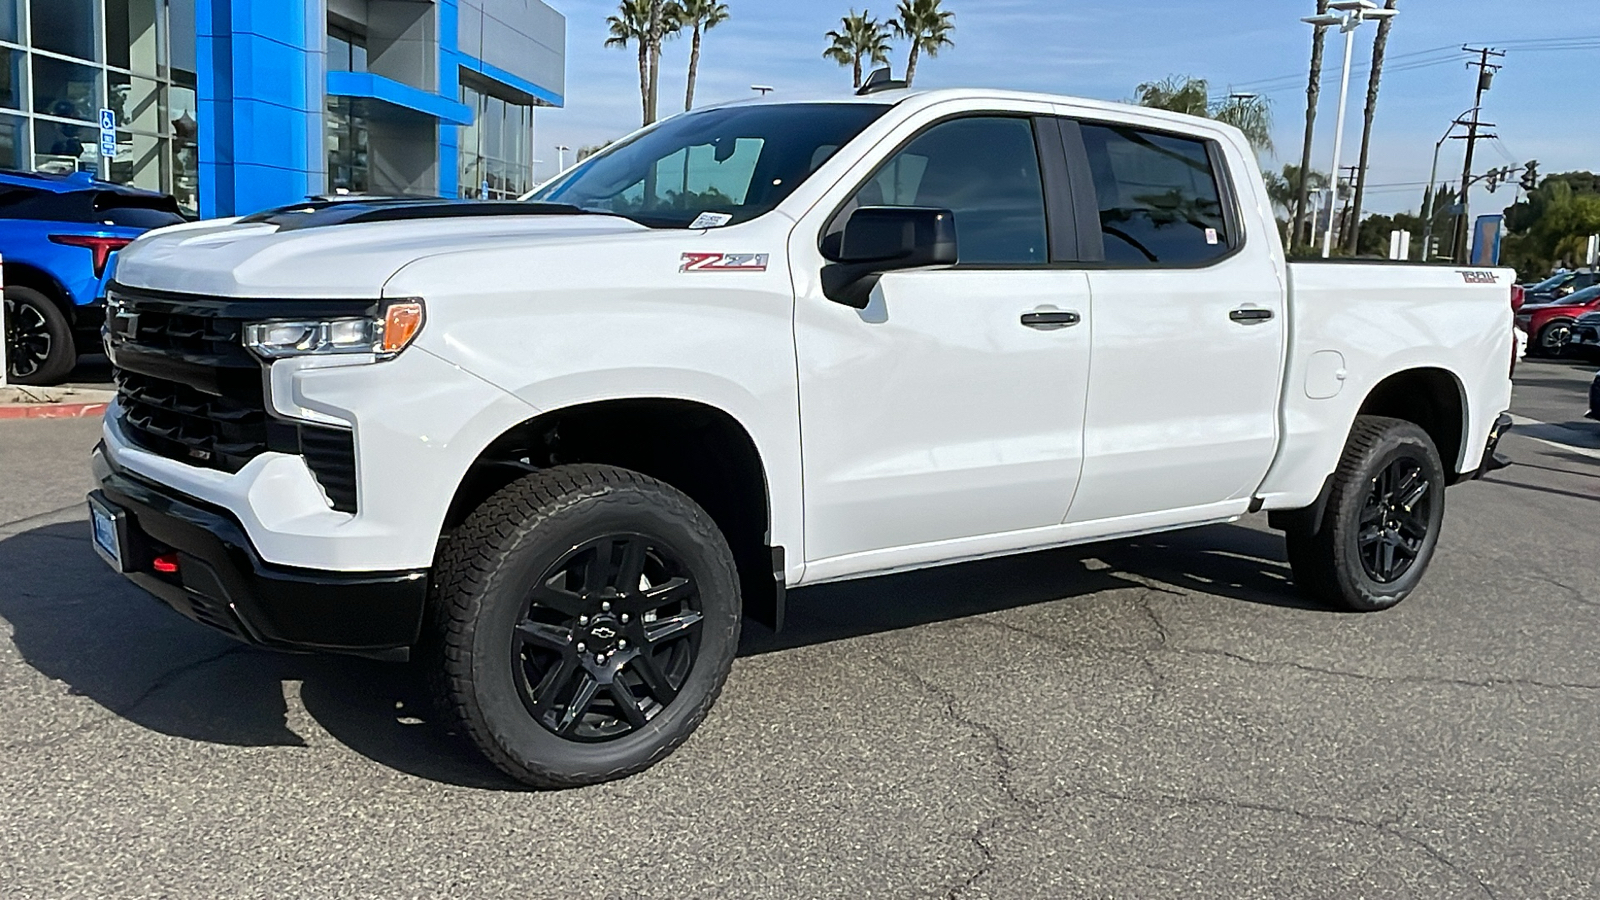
(1250, 315)
(1050, 319)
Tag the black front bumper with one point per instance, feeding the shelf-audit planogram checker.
(222, 581)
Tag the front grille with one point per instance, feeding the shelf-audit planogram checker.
(190, 391)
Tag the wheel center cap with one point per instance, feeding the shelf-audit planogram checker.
(603, 633)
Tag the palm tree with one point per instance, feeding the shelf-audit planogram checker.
(1250, 113)
(926, 26)
(702, 16)
(1313, 90)
(1380, 43)
(860, 37)
(663, 23)
(631, 25)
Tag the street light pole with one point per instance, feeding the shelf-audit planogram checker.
(1433, 181)
(561, 157)
(1350, 15)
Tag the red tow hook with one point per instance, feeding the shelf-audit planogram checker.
(166, 564)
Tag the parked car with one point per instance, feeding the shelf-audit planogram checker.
(1594, 397)
(58, 236)
(563, 447)
(1550, 325)
(1555, 288)
(1585, 339)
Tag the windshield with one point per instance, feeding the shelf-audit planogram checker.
(1583, 296)
(717, 167)
(1552, 281)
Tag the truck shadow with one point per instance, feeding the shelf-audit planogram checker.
(76, 622)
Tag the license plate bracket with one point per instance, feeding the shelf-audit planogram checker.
(108, 529)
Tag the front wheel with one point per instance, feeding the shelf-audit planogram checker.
(588, 617)
(1382, 521)
(1554, 339)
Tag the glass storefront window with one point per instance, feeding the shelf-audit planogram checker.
(347, 51)
(347, 147)
(497, 148)
(133, 35)
(65, 89)
(137, 102)
(186, 174)
(13, 142)
(11, 21)
(141, 161)
(62, 148)
(66, 27)
(11, 78)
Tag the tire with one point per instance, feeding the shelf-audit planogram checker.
(1552, 340)
(39, 345)
(1372, 547)
(515, 598)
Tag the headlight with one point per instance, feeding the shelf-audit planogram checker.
(383, 336)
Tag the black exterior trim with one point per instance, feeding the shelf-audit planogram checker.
(223, 582)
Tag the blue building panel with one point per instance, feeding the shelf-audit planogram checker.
(263, 92)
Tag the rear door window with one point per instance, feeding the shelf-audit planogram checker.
(1159, 199)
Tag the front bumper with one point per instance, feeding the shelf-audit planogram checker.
(221, 580)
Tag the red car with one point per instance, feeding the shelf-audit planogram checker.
(1550, 325)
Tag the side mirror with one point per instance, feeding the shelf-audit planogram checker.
(879, 239)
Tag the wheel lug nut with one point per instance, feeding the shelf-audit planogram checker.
(583, 620)
(581, 648)
(605, 606)
(622, 645)
(624, 618)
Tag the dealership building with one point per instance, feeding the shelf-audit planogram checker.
(237, 105)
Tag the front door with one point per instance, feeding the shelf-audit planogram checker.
(936, 413)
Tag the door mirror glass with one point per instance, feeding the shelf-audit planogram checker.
(879, 239)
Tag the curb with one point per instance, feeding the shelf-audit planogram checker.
(52, 410)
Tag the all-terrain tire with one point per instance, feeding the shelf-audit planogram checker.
(39, 345)
(1341, 561)
(484, 582)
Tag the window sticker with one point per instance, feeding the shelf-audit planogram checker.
(1211, 235)
(711, 220)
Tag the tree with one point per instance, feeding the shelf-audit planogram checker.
(663, 24)
(1283, 187)
(926, 26)
(631, 25)
(701, 16)
(1552, 226)
(1186, 94)
(1313, 90)
(1379, 44)
(860, 37)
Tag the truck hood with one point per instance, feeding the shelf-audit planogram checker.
(337, 251)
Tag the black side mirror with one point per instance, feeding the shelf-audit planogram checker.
(879, 239)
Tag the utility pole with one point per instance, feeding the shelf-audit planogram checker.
(1346, 224)
(1486, 72)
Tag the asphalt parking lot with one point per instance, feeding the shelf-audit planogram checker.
(1161, 717)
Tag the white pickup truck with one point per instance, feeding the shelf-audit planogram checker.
(565, 445)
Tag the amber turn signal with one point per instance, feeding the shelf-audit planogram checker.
(401, 322)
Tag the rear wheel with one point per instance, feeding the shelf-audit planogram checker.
(1381, 524)
(588, 618)
(39, 345)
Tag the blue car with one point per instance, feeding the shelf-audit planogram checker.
(58, 235)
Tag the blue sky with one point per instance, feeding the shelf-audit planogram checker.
(1544, 102)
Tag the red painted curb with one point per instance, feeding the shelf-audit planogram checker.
(51, 410)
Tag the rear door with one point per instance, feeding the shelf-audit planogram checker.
(1189, 329)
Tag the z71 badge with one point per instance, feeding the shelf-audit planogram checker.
(724, 262)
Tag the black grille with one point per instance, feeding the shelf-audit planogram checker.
(190, 391)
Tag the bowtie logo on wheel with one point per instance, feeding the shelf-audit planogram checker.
(724, 262)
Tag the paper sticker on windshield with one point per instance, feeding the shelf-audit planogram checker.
(711, 220)
(724, 262)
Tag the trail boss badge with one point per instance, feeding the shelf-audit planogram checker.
(724, 262)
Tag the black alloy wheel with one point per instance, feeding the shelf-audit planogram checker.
(609, 636)
(39, 345)
(1395, 520)
(586, 618)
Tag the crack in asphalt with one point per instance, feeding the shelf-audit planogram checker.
(1576, 593)
(1004, 767)
(1389, 827)
(166, 679)
(1390, 679)
(15, 524)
